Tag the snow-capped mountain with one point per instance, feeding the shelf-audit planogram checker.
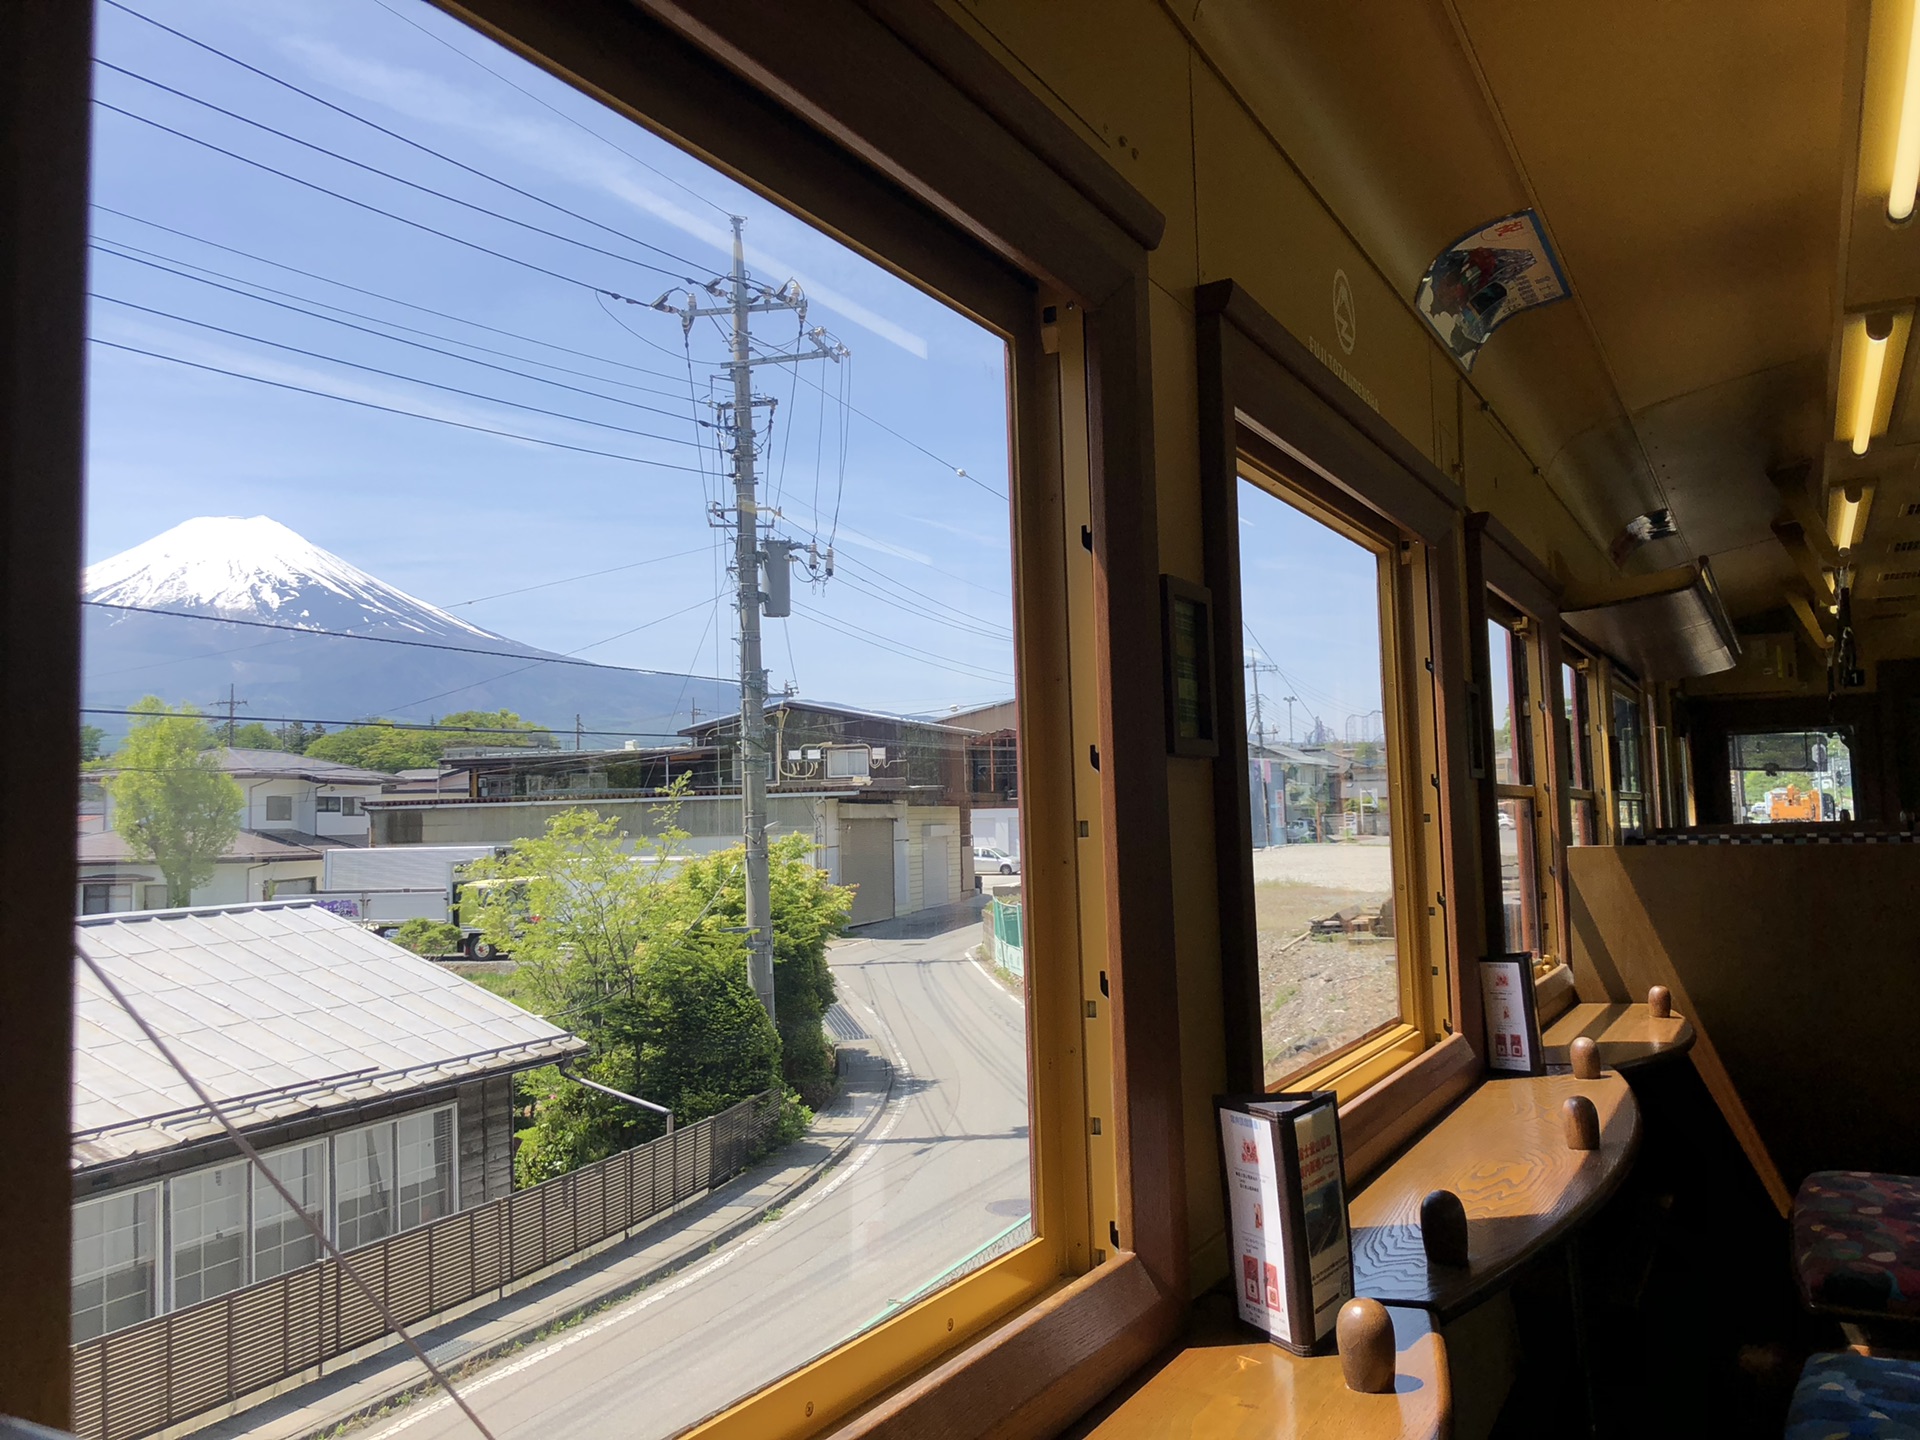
(258, 570)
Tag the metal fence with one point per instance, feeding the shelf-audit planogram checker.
(132, 1382)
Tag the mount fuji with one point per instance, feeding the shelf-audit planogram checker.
(257, 570)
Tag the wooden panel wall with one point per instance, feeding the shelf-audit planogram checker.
(1800, 968)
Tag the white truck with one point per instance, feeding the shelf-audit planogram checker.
(386, 885)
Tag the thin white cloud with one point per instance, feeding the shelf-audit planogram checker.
(562, 150)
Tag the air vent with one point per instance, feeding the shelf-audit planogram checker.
(1887, 576)
(1910, 509)
(1883, 615)
(1900, 599)
(1906, 547)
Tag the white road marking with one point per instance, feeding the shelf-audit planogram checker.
(998, 988)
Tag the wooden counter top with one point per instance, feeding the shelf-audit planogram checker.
(1627, 1035)
(1226, 1383)
(1503, 1151)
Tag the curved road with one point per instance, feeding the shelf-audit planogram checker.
(943, 1172)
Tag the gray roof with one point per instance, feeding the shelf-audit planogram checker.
(109, 847)
(298, 767)
(279, 1010)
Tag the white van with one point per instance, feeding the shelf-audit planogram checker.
(989, 861)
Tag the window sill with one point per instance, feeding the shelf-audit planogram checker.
(1553, 993)
(1365, 1063)
(1384, 1117)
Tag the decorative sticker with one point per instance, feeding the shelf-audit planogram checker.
(1485, 278)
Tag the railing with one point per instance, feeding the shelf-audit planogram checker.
(132, 1382)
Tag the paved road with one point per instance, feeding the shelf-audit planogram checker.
(943, 1172)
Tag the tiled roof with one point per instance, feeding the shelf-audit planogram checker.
(109, 847)
(279, 1010)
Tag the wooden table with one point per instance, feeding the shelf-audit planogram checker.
(1627, 1035)
(1503, 1151)
(1225, 1383)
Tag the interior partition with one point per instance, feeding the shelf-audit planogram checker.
(1796, 965)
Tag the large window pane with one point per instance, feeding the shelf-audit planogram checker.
(1628, 769)
(1573, 695)
(1519, 896)
(1512, 744)
(376, 356)
(1785, 777)
(425, 1167)
(115, 1249)
(1316, 731)
(363, 1185)
(207, 1223)
(282, 1241)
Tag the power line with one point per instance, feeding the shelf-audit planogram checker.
(901, 648)
(396, 640)
(367, 722)
(371, 169)
(578, 124)
(569, 579)
(363, 204)
(107, 248)
(371, 124)
(389, 409)
(410, 379)
(378, 295)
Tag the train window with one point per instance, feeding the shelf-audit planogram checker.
(1784, 777)
(1313, 596)
(1627, 749)
(1583, 797)
(688, 534)
(1510, 659)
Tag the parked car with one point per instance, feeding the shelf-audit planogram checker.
(989, 861)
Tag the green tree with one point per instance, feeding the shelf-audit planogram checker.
(380, 744)
(254, 736)
(172, 802)
(610, 946)
(91, 739)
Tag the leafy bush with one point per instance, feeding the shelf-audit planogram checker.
(428, 937)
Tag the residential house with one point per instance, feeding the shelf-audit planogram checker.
(993, 772)
(296, 808)
(376, 1085)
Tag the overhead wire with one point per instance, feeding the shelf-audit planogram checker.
(570, 579)
(358, 118)
(372, 169)
(901, 648)
(366, 722)
(108, 247)
(387, 409)
(413, 379)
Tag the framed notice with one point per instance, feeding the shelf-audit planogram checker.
(1186, 640)
(1513, 1018)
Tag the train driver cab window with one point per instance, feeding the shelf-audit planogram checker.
(1628, 753)
(1336, 957)
(1583, 791)
(1785, 777)
(1509, 656)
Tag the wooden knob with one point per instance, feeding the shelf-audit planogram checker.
(1660, 1003)
(1585, 1056)
(1364, 1333)
(1582, 1122)
(1443, 1228)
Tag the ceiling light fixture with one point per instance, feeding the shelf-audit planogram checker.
(1871, 348)
(1847, 508)
(1906, 145)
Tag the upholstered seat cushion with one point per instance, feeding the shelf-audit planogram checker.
(1856, 1242)
(1846, 1396)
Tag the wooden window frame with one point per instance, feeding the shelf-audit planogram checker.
(1265, 399)
(1584, 668)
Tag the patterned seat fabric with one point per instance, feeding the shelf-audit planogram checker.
(1856, 1242)
(1856, 1397)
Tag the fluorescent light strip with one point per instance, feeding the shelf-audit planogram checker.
(1867, 401)
(1906, 147)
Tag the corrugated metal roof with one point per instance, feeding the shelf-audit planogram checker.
(279, 1010)
(104, 847)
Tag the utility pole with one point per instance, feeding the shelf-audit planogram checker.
(738, 299)
(578, 734)
(1254, 666)
(233, 704)
(1291, 699)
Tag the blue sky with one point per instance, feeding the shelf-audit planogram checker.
(918, 616)
(922, 594)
